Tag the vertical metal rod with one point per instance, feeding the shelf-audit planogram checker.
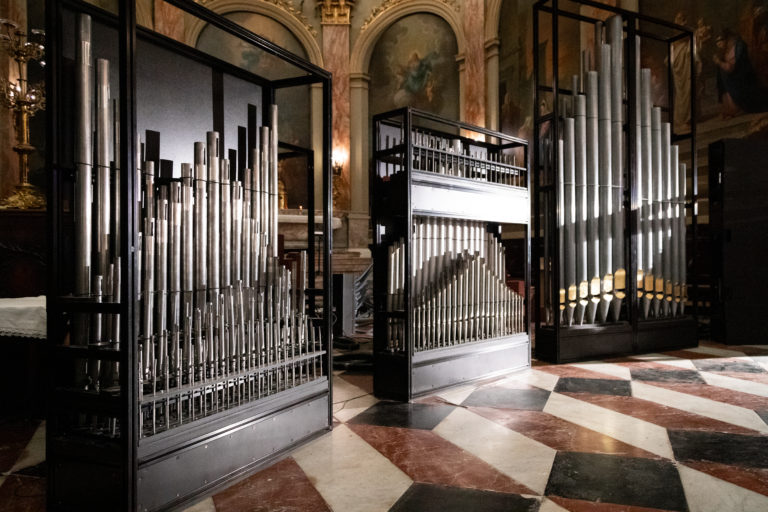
(606, 180)
(656, 144)
(581, 207)
(593, 197)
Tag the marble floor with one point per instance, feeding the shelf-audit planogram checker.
(682, 430)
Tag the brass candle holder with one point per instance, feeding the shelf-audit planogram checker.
(24, 100)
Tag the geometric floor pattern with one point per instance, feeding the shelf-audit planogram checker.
(676, 431)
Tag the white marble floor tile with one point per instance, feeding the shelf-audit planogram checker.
(715, 351)
(536, 378)
(548, 505)
(701, 406)
(520, 458)
(706, 493)
(614, 370)
(34, 453)
(745, 386)
(350, 474)
(636, 432)
(458, 394)
(205, 505)
(345, 411)
(343, 390)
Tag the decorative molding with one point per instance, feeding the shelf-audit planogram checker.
(284, 5)
(389, 4)
(335, 12)
(281, 11)
(391, 11)
(492, 19)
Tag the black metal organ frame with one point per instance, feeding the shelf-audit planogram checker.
(440, 192)
(559, 341)
(122, 471)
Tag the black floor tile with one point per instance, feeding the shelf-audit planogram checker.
(716, 365)
(614, 479)
(506, 398)
(655, 375)
(596, 386)
(735, 449)
(395, 414)
(763, 415)
(39, 471)
(437, 498)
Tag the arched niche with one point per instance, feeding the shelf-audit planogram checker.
(360, 58)
(414, 64)
(269, 10)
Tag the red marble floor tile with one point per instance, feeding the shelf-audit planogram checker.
(760, 378)
(362, 380)
(748, 350)
(662, 415)
(14, 437)
(718, 394)
(282, 486)
(576, 372)
(754, 479)
(591, 506)
(428, 458)
(22, 494)
(559, 434)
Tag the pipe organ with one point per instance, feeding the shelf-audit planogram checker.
(222, 320)
(613, 196)
(181, 336)
(445, 194)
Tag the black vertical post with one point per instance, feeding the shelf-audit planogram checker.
(535, 239)
(407, 318)
(252, 133)
(554, 137)
(327, 233)
(53, 89)
(694, 287)
(129, 397)
(217, 91)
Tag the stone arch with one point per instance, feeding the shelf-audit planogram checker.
(492, 19)
(361, 53)
(298, 29)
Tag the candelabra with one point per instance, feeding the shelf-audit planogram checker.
(24, 100)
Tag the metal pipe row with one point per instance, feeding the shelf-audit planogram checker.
(457, 285)
(96, 211)
(220, 320)
(451, 156)
(590, 196)
(223, 320)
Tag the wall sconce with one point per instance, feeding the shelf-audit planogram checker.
(337, 167)
(338, 159)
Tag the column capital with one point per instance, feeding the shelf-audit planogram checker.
(335, 12)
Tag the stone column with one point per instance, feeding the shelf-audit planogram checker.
(474, 62)
(359, 219)
(492, 84)
(169, 21)
(335, 21)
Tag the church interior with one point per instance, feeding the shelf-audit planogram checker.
(383, 255)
